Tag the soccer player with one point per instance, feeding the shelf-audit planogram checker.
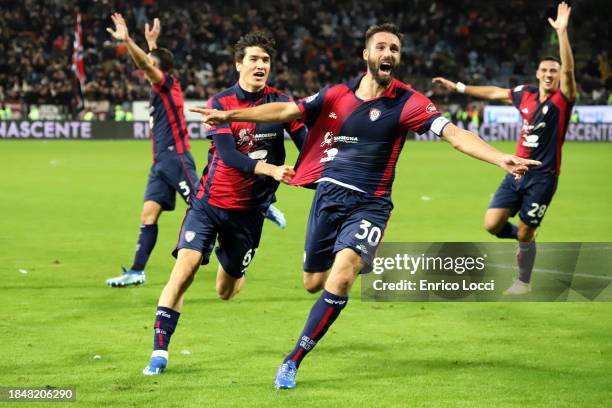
(245, 166)
(173, 170)
(546, 111)
(356, 132)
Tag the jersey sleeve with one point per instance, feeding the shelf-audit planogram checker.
(224, 128)
(165, 85)
(516, 95)
(311, 106)
(420, 115)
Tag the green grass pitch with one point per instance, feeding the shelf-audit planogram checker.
(69, 218)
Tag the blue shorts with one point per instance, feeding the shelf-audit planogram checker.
(174, 174)
(238, 234)
(530, 196)
(343, 218)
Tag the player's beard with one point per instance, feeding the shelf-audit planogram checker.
(374, 69)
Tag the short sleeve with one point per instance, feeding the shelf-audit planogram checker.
(311, 106)
(224, 128)
(516, 95)
(420, 115)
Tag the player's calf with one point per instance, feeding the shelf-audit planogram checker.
(226, 285)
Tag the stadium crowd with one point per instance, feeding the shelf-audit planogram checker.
(319, 42)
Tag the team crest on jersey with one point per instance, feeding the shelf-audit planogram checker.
(244, 137)
(189, 236)
(374, 114)
(431, 108)
(327, 139)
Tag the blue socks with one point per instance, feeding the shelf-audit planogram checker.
(508, 231)
(525, 260)
(323, 313)
(146, 243)
(165, 324)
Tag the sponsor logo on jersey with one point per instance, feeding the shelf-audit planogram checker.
(374, 114)
(189, 236)
(518, 88)
(531, 139)
(431, 108)
(545, 110)
(330, 155)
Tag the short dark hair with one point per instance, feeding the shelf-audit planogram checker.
(165, 57)
(259, 39)
(550, 58)
(382, 28)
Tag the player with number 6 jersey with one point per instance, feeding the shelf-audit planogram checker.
(245, 167)
(356, 133)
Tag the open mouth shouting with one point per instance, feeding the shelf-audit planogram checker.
(385, 68)
(259, 75)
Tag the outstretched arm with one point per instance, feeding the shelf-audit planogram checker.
(151, 35)
(491, 93)
(274, 112)
(568, 79)
(140, 58)
(470, 144)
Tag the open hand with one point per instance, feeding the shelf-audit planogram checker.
(152, 34)
(121, 31)
(563, 13)
(445, 83)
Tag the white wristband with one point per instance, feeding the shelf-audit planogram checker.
(460, 87)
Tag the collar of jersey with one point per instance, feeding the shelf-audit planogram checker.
(353, 84)
(244, 95)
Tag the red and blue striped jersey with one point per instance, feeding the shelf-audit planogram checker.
(356, 143)
(226, 187)
(166, 119)
(544, 126)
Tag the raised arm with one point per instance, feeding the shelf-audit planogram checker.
(151, 35)
(568, 79)
(140, 58)
(470, 144)
(274, 112)
(491, 93)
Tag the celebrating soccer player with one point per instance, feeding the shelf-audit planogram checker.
(356, 132)
(546, 111)
(245, 166)
(173, 168)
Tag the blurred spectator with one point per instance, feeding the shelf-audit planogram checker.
(319, 42)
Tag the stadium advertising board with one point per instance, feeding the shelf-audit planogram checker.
(48, 129)
(585, 114)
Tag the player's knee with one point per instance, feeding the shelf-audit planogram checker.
(313, 285)
(226, 294)
(493, 226)
(525, 234)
